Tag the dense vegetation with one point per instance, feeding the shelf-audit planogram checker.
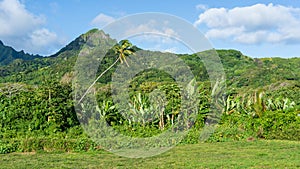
(262, 99)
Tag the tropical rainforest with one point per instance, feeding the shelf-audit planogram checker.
(38, 103)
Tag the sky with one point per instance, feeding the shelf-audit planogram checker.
(256, 28)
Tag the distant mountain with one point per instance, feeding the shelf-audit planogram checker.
(8, 55)
(77, 44)
(35, 69)
(243, 72)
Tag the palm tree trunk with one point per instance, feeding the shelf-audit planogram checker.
(86, 92)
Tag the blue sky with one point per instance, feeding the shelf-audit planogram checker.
(257, 28)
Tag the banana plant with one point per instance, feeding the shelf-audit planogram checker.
(106, 111)
(140, 110)
(280, 104)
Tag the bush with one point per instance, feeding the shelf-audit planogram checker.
(47, 144)
(271, 125)
(6, 148)
(281, 125)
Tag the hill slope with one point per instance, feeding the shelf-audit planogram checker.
(8, 55)
(241, 71)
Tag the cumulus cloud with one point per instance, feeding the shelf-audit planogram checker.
(201, 7)
(24, 30)
(152, 27)
(44, 40)
(153, 35)
(102, 20)
(148, 32)
(255, 24)
(15, 20)
(172, 50)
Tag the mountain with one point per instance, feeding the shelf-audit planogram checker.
(8, 55)
(76, 44)
(243, 72)
(36, 69)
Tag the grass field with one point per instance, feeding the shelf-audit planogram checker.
(255, 154)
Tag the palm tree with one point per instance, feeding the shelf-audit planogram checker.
(123, 49)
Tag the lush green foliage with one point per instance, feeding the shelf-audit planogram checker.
(262, 100)
(47, 109)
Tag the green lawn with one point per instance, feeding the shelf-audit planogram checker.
(256, 154)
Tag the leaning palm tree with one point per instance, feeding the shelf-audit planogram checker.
(123, 49)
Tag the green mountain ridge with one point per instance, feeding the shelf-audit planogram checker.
(241, 71)
(8, 55)
(75, 45)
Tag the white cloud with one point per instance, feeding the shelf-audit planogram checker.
(15, 20)
(225, 32)
(156, 36)
(172, 50)
(102, 20)
(255, 24)
(24, 30)
(42, 37)
(152, 27)
(44, 40)
(153, 36)
(145, 28)
(151, 33)
(201, 7)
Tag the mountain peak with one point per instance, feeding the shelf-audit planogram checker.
(92, 31)
(77, 43)
(95, 33)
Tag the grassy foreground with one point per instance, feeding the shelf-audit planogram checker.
(255, 154)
